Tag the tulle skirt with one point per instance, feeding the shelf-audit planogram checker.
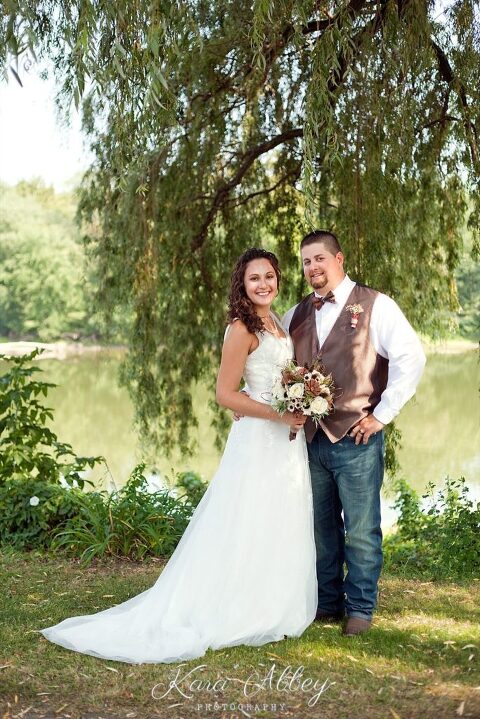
(243, 572)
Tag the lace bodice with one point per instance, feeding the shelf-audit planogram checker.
(263, 365)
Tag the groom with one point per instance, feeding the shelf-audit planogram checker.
(376, 360)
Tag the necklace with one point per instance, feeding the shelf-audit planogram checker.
(273, 328)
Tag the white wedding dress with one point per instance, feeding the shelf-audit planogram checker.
(244, 569)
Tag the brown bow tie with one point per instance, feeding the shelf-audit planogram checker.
(320, 301)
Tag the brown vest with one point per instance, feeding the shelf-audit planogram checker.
(359, 373)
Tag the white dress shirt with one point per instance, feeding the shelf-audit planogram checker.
(393, 338)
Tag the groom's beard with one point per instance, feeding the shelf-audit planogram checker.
(318, 283)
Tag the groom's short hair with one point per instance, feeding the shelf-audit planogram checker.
(327, 238)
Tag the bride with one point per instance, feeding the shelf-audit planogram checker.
(244, 569)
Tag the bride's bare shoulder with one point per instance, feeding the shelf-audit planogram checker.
(237, 328)
(238, 335)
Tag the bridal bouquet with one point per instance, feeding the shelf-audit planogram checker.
(308, 390)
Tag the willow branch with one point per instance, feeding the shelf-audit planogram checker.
(439, 121)
(447, 74)
(353, 9)
(222, 193)
(225, 188)
(294, 175)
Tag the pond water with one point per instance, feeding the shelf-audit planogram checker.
(440, 426)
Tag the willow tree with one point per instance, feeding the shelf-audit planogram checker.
(220, 125)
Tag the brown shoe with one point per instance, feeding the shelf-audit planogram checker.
(355, 626)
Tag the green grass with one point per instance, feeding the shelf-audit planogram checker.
(421, 658)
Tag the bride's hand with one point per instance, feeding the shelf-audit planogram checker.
(295, 420)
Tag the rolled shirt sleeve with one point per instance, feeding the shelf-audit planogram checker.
(395, 339)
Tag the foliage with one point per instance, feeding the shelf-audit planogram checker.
(32, 511)
(28, 448)
(192, 487)
(44, 289)
(393, 437)
(437, 541)
(130, 522)
(468, 282)
(358, 116)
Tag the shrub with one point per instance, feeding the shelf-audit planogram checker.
(193, 487)
(36, 511)
(32, 510)
(28, 448)
(439, 540)
(130, 522)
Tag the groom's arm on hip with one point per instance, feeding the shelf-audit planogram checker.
(393, 338)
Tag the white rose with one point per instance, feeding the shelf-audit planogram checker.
(34, 501)
(296, 391)
(319, 405)
(278, 390)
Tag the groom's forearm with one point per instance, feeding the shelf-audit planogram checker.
(404, 373)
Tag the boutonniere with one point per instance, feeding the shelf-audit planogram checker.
(354, 310)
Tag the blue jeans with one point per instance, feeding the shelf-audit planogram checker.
(347, 478)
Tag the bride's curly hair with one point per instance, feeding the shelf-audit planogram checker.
(239, 305)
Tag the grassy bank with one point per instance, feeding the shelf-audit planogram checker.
(420, 660)
(63, 349)
(451, 345)
(59, 350)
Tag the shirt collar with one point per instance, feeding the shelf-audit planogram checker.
(342, 290)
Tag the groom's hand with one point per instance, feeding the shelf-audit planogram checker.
(237, 415)
(367, 427)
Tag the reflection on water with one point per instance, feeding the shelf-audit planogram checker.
(95, 416)
(440, 425)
